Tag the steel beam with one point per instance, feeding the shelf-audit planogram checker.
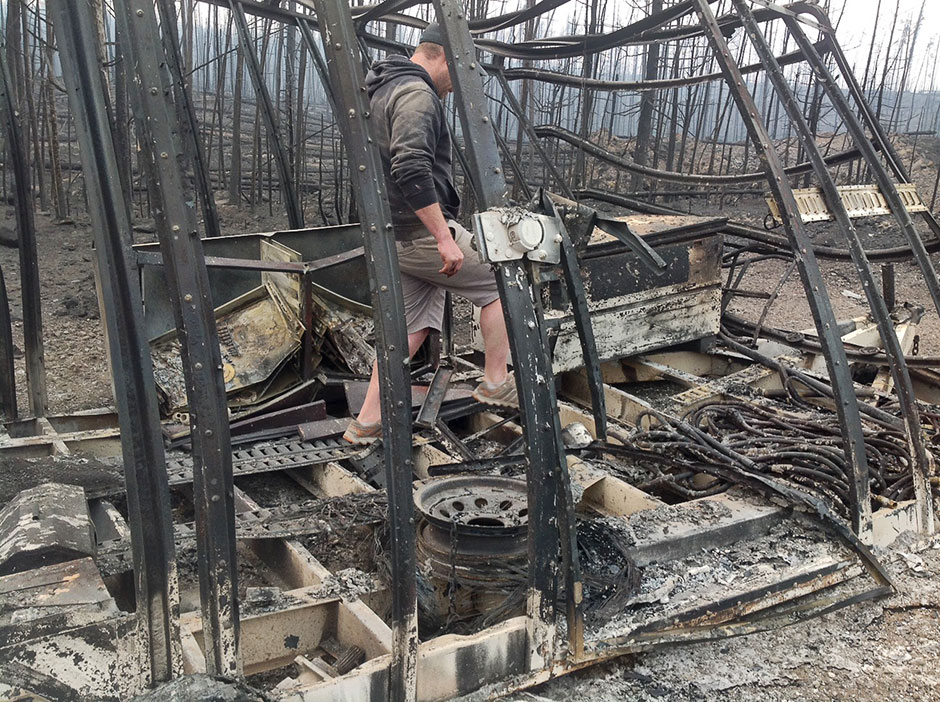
(188, 284)
(295, 215)
(352, 112)
(186, 117)
(26, 244)
(549, 489)
(148, 496)
(820, 307)
(880, 311)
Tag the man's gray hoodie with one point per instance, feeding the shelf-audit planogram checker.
(412, 137)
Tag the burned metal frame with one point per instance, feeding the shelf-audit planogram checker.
(150, 52)
(880, 311)
(148, 495)
(166, 161)
(26, 245)
(343, 60)
(551, 510)
(813, 284)
(269, 115)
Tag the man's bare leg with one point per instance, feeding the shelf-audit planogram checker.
(495, 343)
(371, 411)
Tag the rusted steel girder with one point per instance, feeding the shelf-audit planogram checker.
(26, 243)
(181, 246)
(839, 373)
(351, 104)
(551, 514)
(295, 215)
(148, 496)
(879, 310)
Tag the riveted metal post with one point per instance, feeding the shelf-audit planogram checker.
(821, 309)
(271, 122)
(549, 491)
(148, 495)
(879, 309)
(351, 105)
(186, 117)
(188, 284)
(26, 243)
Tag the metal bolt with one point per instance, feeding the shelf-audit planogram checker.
(153, 91)
(473, 64)
(352, 114)
(497, 170)
(384, 288)
(208, 432)
(140, 13)
(542, 255)
(188, 297)
(215, 498)
(399, 404)
(362, 168)
(391, 347)
(531, 325)
(558, 239)
(164, 155)
(373, 228)
(175, 227)
(198, 365)
(337, 46)
(485, 118)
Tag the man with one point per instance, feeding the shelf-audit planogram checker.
(415, 146)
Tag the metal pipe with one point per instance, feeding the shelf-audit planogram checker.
(547, 130)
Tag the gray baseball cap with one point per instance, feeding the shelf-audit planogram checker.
(433, 34)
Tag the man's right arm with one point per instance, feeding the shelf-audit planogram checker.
(414, 130)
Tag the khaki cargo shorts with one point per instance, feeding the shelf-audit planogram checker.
(424, 287)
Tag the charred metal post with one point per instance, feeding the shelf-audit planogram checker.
(295, 214)
(184, 263)
(889, 285)
(148, 495)
(550, 502)
(186, 116)
(26, 239)
(7, 375)
(882, 177)
(879, 309)
(820, 307)
(352, 112)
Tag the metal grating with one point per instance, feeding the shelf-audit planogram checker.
(859, 200)
(270, 456)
